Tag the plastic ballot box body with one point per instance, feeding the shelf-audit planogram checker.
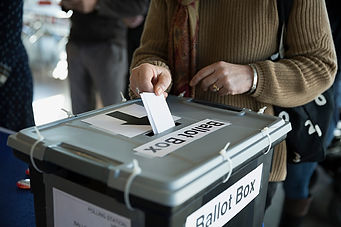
(107, 168)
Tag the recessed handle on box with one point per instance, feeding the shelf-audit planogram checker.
(87, 154)
(220, 106)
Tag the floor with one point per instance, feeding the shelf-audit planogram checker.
(51, 96)
(318, 215)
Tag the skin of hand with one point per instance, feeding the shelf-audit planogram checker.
(82, 6)
(231, 79)
(150, 78)
(133, 22)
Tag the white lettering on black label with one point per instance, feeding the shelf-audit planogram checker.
(227, 204)
(169, 143)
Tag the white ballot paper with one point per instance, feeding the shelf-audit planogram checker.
(158, 112)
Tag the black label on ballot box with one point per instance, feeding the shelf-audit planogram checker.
(173, 141)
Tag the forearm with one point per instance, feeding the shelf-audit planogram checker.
(154, 41)
(291, 82)
(309, 64)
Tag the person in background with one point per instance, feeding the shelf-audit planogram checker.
(97, 49)
(335, 24)
(16, 84)
(332, 163)
(218, 51)
(298, 182)
(297, 193)
(135, 29)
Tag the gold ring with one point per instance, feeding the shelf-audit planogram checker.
(215, 88)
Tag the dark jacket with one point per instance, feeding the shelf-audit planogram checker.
(335, 24)
(105, 23)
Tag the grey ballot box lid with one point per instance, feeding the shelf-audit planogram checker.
(169, 180)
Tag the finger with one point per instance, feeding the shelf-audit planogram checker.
(163, 82)
(134, 88)
(204, 72)
(144, 76)
(132, 81)
(139, 74)
(215, 87)
(209, 82)
(145, 84)
(223, 91)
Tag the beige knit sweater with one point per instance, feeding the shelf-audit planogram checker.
(244, 32)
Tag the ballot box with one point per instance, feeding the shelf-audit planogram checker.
(107, 168)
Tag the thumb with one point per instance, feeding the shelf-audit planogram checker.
(163, 82)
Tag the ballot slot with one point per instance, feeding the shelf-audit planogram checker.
(151, 133)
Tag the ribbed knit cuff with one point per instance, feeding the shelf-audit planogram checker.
(153, 62)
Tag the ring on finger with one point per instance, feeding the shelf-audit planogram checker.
(215, 88)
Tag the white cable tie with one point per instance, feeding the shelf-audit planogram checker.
(261, 110)
(182, 94)
(266, 131)
(69, 113)
(223, 153)
(122, 96)
(136, 171)
(40, 138)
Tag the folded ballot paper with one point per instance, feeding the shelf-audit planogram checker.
(159, 115)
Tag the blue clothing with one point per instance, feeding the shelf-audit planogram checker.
(296, 185)
(335, 24)
(336, 113)
(16, 85)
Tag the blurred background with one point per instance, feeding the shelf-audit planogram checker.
(45, 32)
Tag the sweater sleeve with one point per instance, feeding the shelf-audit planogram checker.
(154, 41)
(309, 64)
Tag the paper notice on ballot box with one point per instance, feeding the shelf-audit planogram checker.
(158, 112)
